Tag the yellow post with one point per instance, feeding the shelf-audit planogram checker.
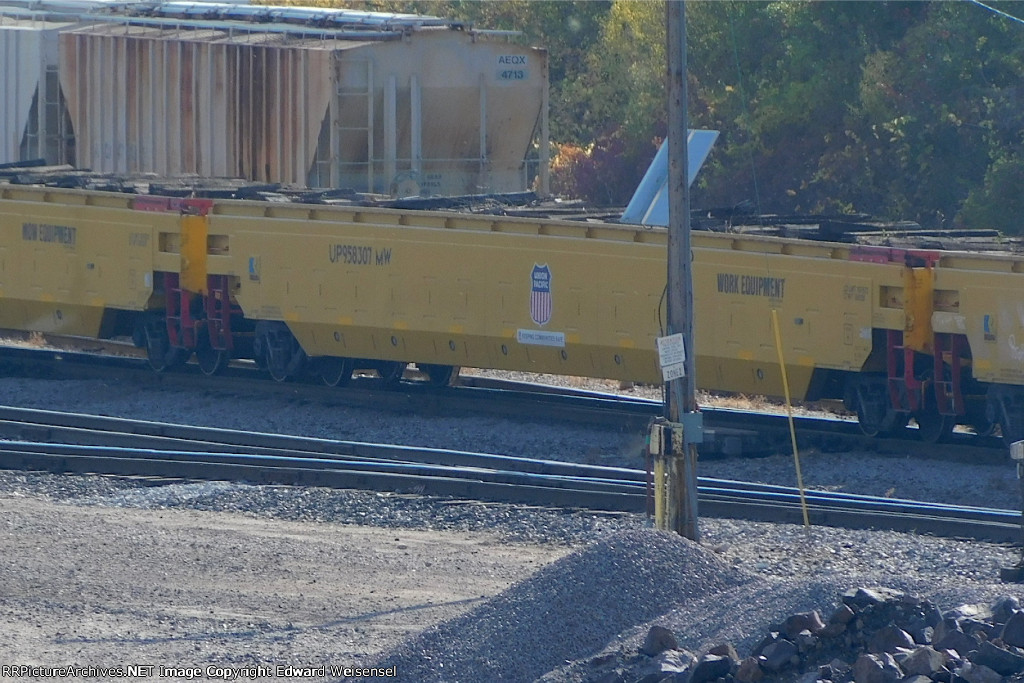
(789, 411)
(656, 447)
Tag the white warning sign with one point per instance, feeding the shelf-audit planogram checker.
(672, 356)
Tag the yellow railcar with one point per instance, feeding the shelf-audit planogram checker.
(934, 335)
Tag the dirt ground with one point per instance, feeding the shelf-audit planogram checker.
(110, 587)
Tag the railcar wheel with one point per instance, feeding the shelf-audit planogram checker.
(282, 355)
(890, 424)
(983, 427)
(391, 372)
(334, 371)
(161, 355)
(211, 361)
(437, 375)
(981, 417)
(1005, 407)
(934, 428)
(869, 399)
(866, 428)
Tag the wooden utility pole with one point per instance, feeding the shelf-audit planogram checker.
(681, 408)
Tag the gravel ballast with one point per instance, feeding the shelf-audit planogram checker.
(793, 569)
(567, 610)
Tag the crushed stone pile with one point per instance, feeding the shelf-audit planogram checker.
(874, 635)
(567, 610)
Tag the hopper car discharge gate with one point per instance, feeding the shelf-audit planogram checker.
(898, 334)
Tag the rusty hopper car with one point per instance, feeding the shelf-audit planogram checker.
(313, 97)
(933, 335)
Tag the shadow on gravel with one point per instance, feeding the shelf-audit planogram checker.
(567, 610)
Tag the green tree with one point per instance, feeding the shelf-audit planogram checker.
(924, 119)
(785, 73)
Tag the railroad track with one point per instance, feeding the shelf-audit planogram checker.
(728, 431)
(75, 443)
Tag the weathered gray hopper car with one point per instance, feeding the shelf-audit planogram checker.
(395, 104)
(33, 120)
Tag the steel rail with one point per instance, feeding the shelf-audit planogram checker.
(529, 400)
(509, 479)
(96, 430)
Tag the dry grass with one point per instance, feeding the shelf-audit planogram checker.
(37, 340)
(655, 392)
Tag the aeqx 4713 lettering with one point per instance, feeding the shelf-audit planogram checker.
(359, 255)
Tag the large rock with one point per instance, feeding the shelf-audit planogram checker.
(804, 621)
(668, 664)
(711, 667)
(724, 650)
(999, 660)
(953, 658)
(837, 623)
(772, 637)
(923, 661)
(944, 628)
(921, 625)
(805, 641)
(842, 615)
(779, 655)
(890, 639)
(956, 640)
(1003, 608)
(749, 671)
(921, 633)
(834, 670)
(658, 640)
(859, 598)
(880, 668)
(978, 673)
(932, 614)
(979, 612)
(977, 628)
(832, 630)
(1013, 632)
(675, 661)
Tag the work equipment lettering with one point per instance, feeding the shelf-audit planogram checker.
(751, 285)
(45, 232)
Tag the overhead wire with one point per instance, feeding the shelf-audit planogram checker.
(996, 11)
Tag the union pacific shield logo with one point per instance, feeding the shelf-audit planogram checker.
(540, 294)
